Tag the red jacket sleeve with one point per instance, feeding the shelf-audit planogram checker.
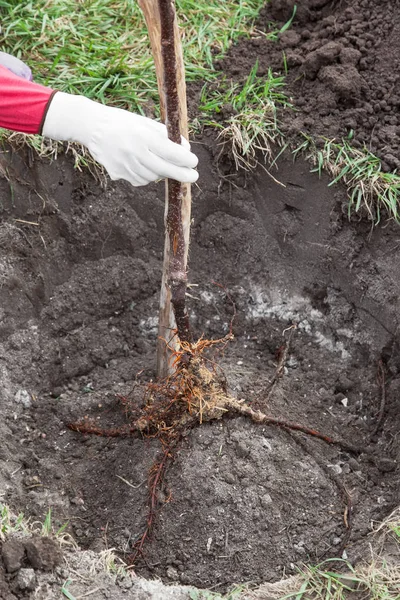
(23, 104)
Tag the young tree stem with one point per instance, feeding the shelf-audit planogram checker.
(167, 53)
(177, 275)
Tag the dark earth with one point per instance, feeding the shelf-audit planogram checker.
(343, 62)
(80, 273)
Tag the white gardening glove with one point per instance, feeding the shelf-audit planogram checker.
(129, 146)
(15, 65)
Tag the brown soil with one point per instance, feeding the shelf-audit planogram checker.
(343, 62)
(79, 281)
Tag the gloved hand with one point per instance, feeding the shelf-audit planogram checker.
(15, 65)
(129, 146)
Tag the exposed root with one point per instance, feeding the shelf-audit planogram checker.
(195, 394)
(155, 479)
(283, 352)
(259, 417)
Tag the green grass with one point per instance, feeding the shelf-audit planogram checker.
(379, 581)
(251, 124)
(66, 592)
(47, 528)
(11, 523)
(395, 528)
(392, 525)
(100, 48)
(321, 583)
(274, 34)
(369, 187)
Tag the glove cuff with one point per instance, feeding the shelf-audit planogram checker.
(69, 117)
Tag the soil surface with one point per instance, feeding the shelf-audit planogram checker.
(80, 270)
(343, 70)
(79, 304)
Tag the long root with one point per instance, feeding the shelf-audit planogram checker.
(196, 393)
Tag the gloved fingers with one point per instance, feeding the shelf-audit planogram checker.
(141, 174)
(137, 181)
(173, 153)
(163, 168)
(134, 178)
(158, 127)
(155, 168)
(184, 175)
(161, 129)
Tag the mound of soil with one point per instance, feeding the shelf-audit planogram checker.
(343, 69)
(80, 271)
(79, 305)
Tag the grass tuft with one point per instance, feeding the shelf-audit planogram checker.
(47, 529)
(50, 150)
(377, 579)
(108, 561)
(322, 584)
(369, 187)
(391, 525)
(11, 523)
(251, 124)
(381, 580)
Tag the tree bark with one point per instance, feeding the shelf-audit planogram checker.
(167, 52)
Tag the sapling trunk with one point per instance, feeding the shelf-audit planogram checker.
(177, 276)
(167, 52)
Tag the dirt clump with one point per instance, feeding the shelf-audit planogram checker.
(21, 559)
